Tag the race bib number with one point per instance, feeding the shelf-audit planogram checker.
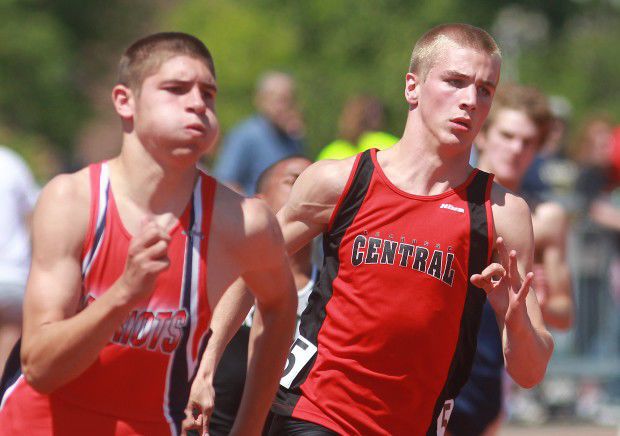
(300, 354)
(444, 417)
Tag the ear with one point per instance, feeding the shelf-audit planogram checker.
(412, 88)
(123, 100)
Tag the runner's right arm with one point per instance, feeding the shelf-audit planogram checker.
(312, 202)
(58, 342)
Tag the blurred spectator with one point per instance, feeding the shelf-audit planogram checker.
(615, 154)
(359, 128)
(599, 233)
(553, 173)
(513, 133)
(271, 135)
(18, 193)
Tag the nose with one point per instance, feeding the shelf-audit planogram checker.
(518, 145)
(469, 98)
(196, 101)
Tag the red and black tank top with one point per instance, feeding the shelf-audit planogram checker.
(389, 334)
(140, 382)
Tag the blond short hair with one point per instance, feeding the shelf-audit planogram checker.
(428, 47)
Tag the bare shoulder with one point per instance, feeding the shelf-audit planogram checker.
(508, 207)
(61, 215)
(245, 226)
(317, 190)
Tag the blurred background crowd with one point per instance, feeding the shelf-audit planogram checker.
(321, 79)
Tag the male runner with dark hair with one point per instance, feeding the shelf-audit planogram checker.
(131, 255)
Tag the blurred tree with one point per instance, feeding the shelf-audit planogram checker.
(346, 47)
(52, 56)
(57, 58)
(582, 64)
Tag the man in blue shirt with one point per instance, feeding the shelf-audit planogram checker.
(263, 139)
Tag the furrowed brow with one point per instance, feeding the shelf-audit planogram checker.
(457, 74)
(203, 85)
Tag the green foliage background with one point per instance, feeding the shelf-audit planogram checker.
(53, 53)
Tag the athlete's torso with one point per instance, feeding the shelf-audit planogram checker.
(141, 378)
(394, 316)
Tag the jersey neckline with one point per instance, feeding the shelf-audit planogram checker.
(121, 225)
(397, 190)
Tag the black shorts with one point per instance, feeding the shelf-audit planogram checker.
(287, 426)
(478, 405)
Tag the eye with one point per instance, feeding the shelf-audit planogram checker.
(208, 95)
(175, 89)
(484, 91)
(290, 180)
(457, 83)
(507, 135)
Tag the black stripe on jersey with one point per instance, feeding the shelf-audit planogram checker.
(178, 387)
(12, 370)
(313, 316)
(463, 357)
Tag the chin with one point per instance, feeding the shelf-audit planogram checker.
(456, 142)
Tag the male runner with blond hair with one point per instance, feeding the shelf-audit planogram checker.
(389, 334)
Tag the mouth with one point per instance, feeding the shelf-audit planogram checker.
(197, 127)
(464, 123)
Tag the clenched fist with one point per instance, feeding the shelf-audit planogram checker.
(146, 258)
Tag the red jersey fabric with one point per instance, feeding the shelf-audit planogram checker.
(394, 317)
(140, 382)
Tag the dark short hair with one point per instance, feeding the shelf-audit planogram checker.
(146, 55)
(266, 175)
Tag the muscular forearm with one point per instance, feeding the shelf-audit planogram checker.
(526, 352)
(57, 352)
(227, 317)
(270, 340)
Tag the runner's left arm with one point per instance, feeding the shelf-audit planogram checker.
(268, 276)
(527, 345)
(227, 317)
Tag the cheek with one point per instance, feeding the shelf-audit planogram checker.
(214, 124)
(527, 158)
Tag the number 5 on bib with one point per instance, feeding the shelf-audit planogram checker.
(300, 354)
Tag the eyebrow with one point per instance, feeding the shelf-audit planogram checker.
(454, 73)
(205, 85)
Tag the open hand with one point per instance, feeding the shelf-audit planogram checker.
(502, 283)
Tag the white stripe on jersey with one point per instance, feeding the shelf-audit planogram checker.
(104, 182)
(10, 390)
(197, 239)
